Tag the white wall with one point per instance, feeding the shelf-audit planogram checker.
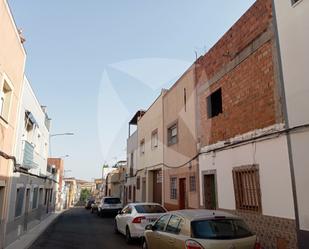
(275, 179)
(293, 31)
(40, 136)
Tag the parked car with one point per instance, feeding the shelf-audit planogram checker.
(133, 219)
(94, 206)
(199, 229)
(88, 204)
(109, 205)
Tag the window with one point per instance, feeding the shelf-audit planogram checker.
(295, 1)
(138, 182)
(192, 183)
(46, 196)
(172, 134)
(19, 201)
(154, 139)
(220, 229)
(142, 147)
(174, 225)
(214, 104)
(247, 188)
(161, 222)
(5, 100)
(127, 210)
(173, 188)
(149, 209)
(112, 201)
(35, 198)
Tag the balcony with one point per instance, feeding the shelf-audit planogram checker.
(28, 156)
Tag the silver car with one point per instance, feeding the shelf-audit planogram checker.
(109, 205)
(199, 229)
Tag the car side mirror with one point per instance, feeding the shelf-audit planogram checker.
(149, 227)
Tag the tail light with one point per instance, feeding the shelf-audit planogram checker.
(138, 219)
(257, 244)
(191, 244)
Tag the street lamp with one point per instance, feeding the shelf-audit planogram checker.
(56, 135)
(62, 134)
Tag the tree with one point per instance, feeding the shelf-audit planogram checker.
(84, 194)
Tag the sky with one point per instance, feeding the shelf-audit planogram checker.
(95, 63)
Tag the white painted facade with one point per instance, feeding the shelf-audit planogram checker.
(274, 171)
(293, 33)
(38, 136)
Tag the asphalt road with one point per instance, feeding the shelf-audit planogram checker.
(77, 228)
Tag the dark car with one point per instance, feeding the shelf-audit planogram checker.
(88, 204)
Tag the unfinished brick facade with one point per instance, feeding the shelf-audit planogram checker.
(243, 65)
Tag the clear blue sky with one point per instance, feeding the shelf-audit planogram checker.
(94, 63)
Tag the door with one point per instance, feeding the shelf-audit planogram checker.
(26, 209)
(134, 193)
(210, 198)
(47, 200)
(157, 186)
(2, 189)
(182, 193)
(144, 189)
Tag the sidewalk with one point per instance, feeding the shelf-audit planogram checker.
(26, 240)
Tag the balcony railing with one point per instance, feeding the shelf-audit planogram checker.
(28, 156)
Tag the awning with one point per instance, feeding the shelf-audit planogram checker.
(31, 118)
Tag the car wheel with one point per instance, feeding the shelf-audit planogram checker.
(128, 236)
(116, 227)
(144, 244)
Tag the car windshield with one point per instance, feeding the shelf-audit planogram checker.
(147, 209)
(112, 200)
(220, 229)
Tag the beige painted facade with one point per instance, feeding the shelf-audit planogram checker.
(179, 111)
(150, 155)
(12, 63)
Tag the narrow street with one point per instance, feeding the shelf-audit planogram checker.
(78, 228)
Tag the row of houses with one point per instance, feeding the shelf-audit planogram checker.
(232, 132)
(31, 183)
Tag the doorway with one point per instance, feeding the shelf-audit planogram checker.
(210, 197)
(26, 209)
(144, 189)
(157, 186)
(182, 193)
(134, 193)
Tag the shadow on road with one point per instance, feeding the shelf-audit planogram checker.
(78, 228)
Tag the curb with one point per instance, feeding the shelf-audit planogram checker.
(28, 239)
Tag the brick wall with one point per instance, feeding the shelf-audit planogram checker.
(243, 65)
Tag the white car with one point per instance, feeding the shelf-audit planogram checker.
(109, 205)
(134, 217)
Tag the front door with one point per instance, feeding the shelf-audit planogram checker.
(210, 192)
(157, 186)
(134, 193)
(182, 193)
(26, 209)
(144, 189)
